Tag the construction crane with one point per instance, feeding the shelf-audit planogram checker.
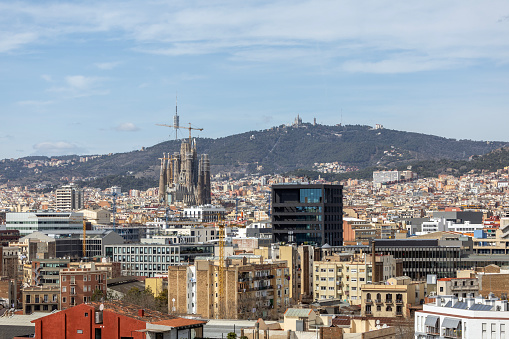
(189, 128)
(222, 265)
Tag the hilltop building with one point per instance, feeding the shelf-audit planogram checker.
(185, 176)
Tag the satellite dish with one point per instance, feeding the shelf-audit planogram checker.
(377, 322)
(101, 307)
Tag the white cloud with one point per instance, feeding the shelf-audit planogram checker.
(127, 127)
(372, 32)
(80, 81)
(107, 65)
(80, 86)
(50, 148)
(12, 41)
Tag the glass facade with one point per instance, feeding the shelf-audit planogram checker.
(310, 195)
(307, 214)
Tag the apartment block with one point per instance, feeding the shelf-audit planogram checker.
(69, 198)
(77, 285)
(342, 276)
(40, 299)
(45, 272)
(252, 288)
(399, 297)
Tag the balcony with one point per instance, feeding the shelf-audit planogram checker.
(388, 301)
(369, 313)
(368, 301)
(465, 288)
(399, 314)
(399, 302)
(378, 301)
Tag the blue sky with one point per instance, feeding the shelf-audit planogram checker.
(93, 77)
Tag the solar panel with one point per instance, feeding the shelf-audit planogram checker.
(480, 307)
(449, 304)
(461, 305)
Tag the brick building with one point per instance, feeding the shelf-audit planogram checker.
(115, 320)
(77, 285)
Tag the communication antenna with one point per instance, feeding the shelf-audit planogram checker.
(176, 120)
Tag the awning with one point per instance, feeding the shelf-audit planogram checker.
(451, 323)
(431, 320)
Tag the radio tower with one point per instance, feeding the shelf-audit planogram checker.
(176, 119)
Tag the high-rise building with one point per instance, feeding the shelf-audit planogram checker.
(309, 214)
(185, 176)
(69, 198)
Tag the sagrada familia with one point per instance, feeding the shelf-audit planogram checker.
(185, 176)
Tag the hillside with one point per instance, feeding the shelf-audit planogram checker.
(279, 149)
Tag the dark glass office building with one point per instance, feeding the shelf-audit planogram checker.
(309, 214)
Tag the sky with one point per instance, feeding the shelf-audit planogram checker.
(94, 77)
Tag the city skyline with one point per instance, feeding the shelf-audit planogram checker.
(95, 78)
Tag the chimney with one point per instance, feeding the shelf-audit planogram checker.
(141, 313)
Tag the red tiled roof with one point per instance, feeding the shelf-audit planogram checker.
(179, 322)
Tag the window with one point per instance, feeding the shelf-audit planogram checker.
(64, 289)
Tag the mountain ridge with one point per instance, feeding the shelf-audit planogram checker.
(275, 150)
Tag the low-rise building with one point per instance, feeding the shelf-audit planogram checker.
(399, 297)
(115, 320)
(459, 287)
(40, 299)
(150, 260)
(472, 318)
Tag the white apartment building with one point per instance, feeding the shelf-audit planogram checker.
(205, 213)
(471, 318)
(69, 198)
